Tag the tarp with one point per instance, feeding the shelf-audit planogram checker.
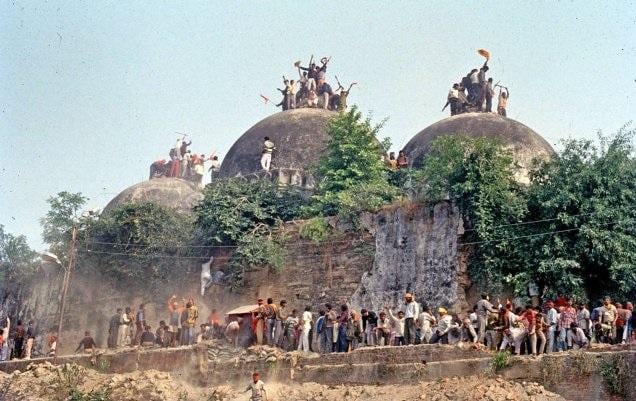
(241, 310)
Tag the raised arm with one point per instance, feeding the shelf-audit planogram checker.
(351, 86)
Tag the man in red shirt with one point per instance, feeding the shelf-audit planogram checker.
(528, 317)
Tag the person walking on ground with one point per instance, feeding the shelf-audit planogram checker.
(266, 155)
(257, 387)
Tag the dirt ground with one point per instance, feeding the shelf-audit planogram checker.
(70, 382)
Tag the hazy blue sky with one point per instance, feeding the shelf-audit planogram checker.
(91, 92)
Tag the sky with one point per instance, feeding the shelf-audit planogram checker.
(91, 92)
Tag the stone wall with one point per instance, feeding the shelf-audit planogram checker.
(407, 248)
(416, 251)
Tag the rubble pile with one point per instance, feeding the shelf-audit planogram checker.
(457, 389)
(47, 382)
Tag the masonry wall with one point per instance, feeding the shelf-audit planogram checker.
(407, 248)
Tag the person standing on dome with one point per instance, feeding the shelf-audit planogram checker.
(325, 91)
(504, 94)
(215, 167)
(266, 156)
(489, 95)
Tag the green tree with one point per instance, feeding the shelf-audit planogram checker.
(57, 225)
(352, 169)
(477, 175)
(246, 215)
(17, 260)
(587, 194)
(140, 240)
(232, 208)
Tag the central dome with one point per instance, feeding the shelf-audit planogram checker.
(300, 136)
(524, 143)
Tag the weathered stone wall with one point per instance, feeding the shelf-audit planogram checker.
(407, 248)
(416, 251)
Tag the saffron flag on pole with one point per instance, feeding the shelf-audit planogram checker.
(484, 53)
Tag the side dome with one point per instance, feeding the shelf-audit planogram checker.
(174, 193)
(300, 137)
(523, 141)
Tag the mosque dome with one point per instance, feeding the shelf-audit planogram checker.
(523, 141)
(174, 193)
(300, 137)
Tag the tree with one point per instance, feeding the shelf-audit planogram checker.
(17, 260)
(352, 169)
(57, 225)
(234, 207)
(140, 240)
(477, 174)
(246, 215)
(587, 195)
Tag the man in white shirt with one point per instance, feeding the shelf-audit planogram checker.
(257, 387)
(303, 343)
(553, 319)
(426, 321)
(412, 311)
(266, 156)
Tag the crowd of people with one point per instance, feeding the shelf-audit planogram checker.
(311, 89)
(555, 326)
(475, 92)
(185, 164)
